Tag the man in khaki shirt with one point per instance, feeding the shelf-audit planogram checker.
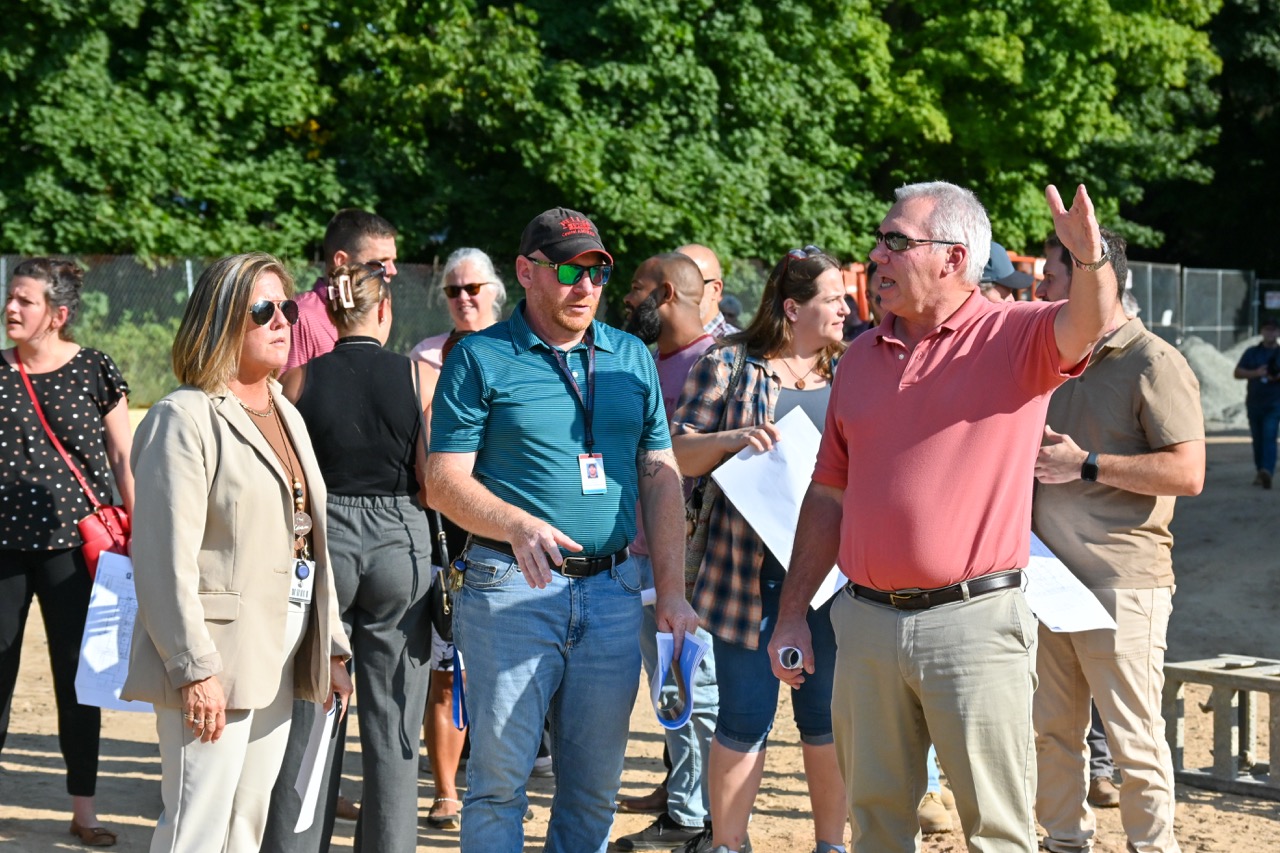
(1122, 441)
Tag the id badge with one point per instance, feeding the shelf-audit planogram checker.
(591, 467)
(302, 581)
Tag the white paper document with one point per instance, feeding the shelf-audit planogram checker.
(108, 636)
(311, 771)
(767, 489)
(672, 694)
(1057, 597)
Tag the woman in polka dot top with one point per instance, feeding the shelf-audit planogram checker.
(83, 397)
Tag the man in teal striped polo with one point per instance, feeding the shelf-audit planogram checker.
(546, 429)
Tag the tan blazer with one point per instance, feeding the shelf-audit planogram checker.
(213, 556)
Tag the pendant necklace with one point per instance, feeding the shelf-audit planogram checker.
(301, 520)
(799, 379)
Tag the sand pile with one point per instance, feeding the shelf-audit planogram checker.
(1221, 394)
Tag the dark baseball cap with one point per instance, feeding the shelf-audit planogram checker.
(999, 270)
(562, 235)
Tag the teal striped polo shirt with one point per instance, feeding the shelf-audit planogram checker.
(502, 396)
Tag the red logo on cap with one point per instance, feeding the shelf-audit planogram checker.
(575, 225)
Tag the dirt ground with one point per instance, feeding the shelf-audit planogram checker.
(1228, 566)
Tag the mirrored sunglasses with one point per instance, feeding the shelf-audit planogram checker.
(571, 274)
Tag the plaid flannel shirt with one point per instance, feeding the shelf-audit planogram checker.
(727, 592)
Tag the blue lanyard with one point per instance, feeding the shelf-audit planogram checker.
(589, 401)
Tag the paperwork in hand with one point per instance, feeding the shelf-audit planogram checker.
(108, 636)
(767, 489)
(673, 703)
(311, 771)
(1057, 597)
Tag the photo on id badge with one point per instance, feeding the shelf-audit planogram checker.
(591, 467)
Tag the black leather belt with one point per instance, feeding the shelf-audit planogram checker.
(573, 567)
(923, 599)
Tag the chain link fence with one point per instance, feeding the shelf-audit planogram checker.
(130, 310)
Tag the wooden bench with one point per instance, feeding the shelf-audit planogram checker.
(1235, 681)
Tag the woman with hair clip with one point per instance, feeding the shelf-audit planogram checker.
(784, 360)
(237, 613)
(364, 408)
(82, 396)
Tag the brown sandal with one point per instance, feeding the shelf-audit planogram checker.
(93, 836)
(437, 819)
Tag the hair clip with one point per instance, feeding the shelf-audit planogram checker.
(344, 292)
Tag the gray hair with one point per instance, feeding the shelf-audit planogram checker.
(482, 260)
(957, 215)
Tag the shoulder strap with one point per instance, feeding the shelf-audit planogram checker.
(442, 541)
(53, 439)
(739, 361)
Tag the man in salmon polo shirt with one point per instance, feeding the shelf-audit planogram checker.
(926, 468)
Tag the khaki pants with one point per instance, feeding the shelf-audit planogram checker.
(1123, 671)
(216, 795)
(960, 675)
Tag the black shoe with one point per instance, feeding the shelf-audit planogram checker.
(663, 834)
(1266, 479)
(701, 843)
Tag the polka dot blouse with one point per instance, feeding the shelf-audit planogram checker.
(40, 499)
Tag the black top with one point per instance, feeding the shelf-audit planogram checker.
(40, 499)
(362, 413)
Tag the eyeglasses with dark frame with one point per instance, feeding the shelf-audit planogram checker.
(571, 274)
(899, 242)
(453, 291)
(262, 311)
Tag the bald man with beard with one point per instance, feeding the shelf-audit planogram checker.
(663, 307)
(713, 321)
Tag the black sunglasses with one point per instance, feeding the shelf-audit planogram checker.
(452, 291)
(571, 274)
(898, 242)
(264, 309)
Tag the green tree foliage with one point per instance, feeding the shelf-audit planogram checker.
(759, 126)
(750, 125)
(163, 126)
(1231, 221)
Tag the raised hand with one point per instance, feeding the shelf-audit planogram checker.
(1077, 228)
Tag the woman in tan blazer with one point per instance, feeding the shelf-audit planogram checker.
(236, 607)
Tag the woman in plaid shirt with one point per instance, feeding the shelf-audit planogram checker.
(790, 351)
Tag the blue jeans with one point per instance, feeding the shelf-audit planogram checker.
(688, 797)
(1263, 423)
(749, 689)
(934, 783)
(566, 653)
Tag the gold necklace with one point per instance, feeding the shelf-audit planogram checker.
(799, 379)
(271, 407)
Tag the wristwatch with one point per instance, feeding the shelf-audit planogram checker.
(1089, 468)
(1096, 265)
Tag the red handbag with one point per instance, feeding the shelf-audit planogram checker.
(107, 528)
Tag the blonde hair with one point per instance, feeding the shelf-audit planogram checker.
(206, 350)
(354, 291)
